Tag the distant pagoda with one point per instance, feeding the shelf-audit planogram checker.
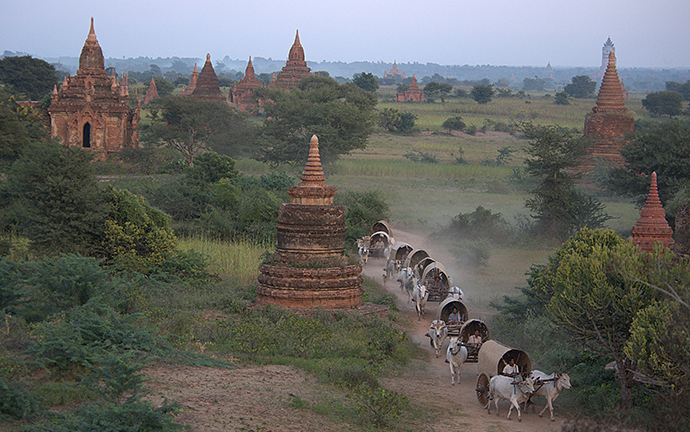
(151, 93)
(412, 94)
(243, 92)
(652, 226)
(394, 71)
(310, 269)
(609, 123)
(207, 86)
(295, 69)
(192, 82)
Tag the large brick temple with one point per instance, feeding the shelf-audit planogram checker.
(295, 69)
(91, 108)
(310, 269)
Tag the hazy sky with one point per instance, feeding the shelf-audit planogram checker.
(475, 32)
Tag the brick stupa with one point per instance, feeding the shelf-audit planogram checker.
(652, 226)
(91, 109)
(310, 269)
(412, 94)
(295, 69)
(151, 93)
(609, 123)
(243, 92)
(207, 86)
(192, 82)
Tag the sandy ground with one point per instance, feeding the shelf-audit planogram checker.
(267, 398)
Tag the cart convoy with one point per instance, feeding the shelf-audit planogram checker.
(503, 373)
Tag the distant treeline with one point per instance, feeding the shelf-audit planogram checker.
(635, 79)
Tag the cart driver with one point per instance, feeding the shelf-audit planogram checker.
(454, 317)
(511, 368)
(475, 340)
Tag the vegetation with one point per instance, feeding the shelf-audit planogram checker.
(482, 93)
(668, 103)
(393, 120)
(27, 77)
(366, 81)
(581, 87)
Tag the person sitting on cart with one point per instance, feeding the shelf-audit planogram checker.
(475, 340)
(454, 317)
(511, 369)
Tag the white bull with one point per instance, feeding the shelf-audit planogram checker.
(438, 332)
(456, 355)
(502, 387)
(420, 295)
(407, 281)
(549, 386)
(363, 252)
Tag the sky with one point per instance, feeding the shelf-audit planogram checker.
(565, 33)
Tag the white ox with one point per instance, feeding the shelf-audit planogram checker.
(407, 281)
(549, 386)
(438, 332)
(502, 387)
(420, 295)
(456, 355)
(363, 255)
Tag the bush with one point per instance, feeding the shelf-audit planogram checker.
(380, 405)
(423, 157)
(454, 123)
(362, 210)
(16, 402)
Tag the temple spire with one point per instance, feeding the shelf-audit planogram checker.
(652, 226)
(610, 97)
(313, 189)
(91, 54)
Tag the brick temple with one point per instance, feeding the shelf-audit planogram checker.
(412, 94)
(609, 123)
(207, 86)
(151, 93)
(295, 69)
(91, 109)
(652, 226)
(394, 72)
(243, 92)
(310, 269)
(192, 82)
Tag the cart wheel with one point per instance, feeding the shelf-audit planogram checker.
(483, 390)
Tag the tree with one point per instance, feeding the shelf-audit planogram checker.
(561, 98)
(341, 116)
(454, 123)
(396, 121)
(28, 76)
(661, 148)
(535, 83)
(191, 126)
(19, 127)
(56, 197)
(558, 207)
(482, 93)
(434, 90)
(366, 81)
(581, 87)
(664, 103)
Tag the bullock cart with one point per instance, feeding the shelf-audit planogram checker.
(381, 225)
(492, 358)
(378, 243)
(414, 257)
(467, 330)
(436, 280)
(444, 311)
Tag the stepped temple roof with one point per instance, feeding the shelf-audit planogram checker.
(610, 97)
(207, 86)
(652, 226)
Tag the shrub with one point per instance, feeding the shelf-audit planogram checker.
(15, 401)
(423, 157)
(454, 123)
(380, 405)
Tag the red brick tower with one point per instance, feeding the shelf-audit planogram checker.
(652, 226)
(151, 93)
(295, 69)
(207, 86)
(244, 90)
(412, 94)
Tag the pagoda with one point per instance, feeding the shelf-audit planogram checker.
(192, 82)
(310, 269)
(295, 69)
(243, 92)
(207, 86)
(412, 94)
(151, 93)
(91, 109)
(394, 71)
(609, 123)
(652, 227)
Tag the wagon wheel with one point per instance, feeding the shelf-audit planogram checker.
(483, 390)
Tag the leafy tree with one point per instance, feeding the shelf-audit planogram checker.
(210, 167)
(434, 90)
(683, 89)
(402, 87)
(341, 116)
(561, 98)
(581, 87)
(396, 121)
(56, 199)
(362, 210)
(558, 207)
(664, 103)
(28, 76)
(661, 148)
(19, 127)
(453, 123)
(535, 83)
(482, 93)
(192, 126)
(366, 81)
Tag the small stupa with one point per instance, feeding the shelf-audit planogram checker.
(192, 82)
(652, 226)
(151, 93)
(310, 269)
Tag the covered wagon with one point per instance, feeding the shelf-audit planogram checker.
(493, 357)
(436, 280)
(468, 329)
